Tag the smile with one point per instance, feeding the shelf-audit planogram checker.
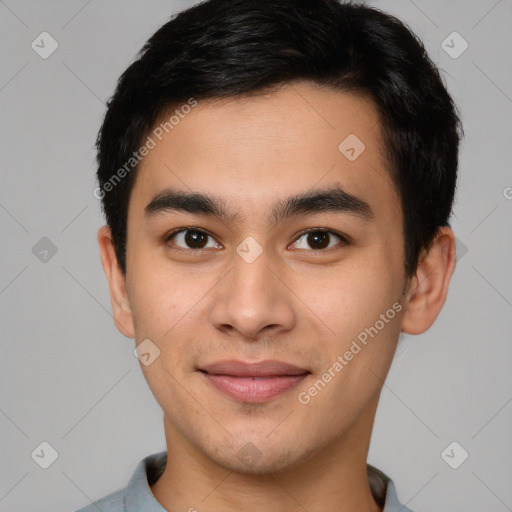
(253, 381)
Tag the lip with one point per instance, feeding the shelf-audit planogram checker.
(267, 368)
(253, 382)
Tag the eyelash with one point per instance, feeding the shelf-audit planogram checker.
(343, 238)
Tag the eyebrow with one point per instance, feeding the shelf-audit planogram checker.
(334, 200)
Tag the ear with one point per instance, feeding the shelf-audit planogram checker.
(121, 309)
(429, 286)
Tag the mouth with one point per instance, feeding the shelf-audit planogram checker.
(253, 382)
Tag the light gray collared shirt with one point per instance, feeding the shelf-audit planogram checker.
(137, 495)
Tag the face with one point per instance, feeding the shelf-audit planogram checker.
(298, 257)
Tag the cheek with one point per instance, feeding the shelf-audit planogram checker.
(360, 304)
(169, 308)
(352, 297)
(161, 297)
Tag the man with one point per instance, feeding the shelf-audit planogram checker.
(277, 179)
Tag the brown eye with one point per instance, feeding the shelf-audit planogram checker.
(318, 239)
(192, 239)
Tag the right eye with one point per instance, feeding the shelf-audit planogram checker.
(191, 239)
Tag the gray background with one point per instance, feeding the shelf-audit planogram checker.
(69, 378)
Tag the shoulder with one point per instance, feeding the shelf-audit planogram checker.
(384, 491)
(137, 494)
(114, 502)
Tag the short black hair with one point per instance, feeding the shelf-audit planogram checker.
(227, 48)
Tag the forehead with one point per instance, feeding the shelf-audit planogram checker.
(257, 150)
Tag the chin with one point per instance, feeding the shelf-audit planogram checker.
(252, 459)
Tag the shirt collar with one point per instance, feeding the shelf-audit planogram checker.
(139, 495)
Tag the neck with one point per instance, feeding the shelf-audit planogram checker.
(333, 478)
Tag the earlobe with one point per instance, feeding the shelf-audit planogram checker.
(121, 309)
(429, 286)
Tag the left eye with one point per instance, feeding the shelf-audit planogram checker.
(317, 239)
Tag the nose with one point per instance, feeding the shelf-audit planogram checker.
(252, 302)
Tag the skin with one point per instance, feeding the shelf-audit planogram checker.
(293, 303)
